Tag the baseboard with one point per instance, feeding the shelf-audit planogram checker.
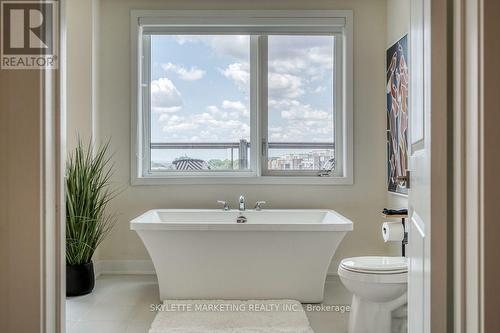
(145, 267)
(123, 267)
(332, 277)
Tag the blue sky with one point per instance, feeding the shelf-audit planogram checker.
(200, 88)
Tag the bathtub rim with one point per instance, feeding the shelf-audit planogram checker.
(338, 222)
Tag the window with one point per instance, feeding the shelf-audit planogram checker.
(256, 97)
(199, 102)
(300, 104)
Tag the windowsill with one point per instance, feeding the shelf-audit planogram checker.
(262, 180)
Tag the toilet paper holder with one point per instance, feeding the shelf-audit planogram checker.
(403, 218)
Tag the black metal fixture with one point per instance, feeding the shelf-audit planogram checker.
(403, 215)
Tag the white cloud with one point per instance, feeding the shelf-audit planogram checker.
(314, 63)
(237, 106)
(183, 39)
(298, 68)
(284, 86)
(207, 126)
(234, 46)
(182, 127)
(165, 97)
(191, 74)
(171, 109)
(213, 109)
(300, 122)
(275, 129)
(319, 89)
(322, 56)
(216, 112)
(287, 65)
(239, 73)
(299, 84)
(295, 110)
(309, 57)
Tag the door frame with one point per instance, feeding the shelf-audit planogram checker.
(441, 182)
(53, 152)
(437, 182)
(476, 165)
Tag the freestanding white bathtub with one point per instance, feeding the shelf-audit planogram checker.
(276, 254)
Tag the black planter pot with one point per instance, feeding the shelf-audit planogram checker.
(80, 279)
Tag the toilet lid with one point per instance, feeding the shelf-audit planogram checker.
(376, 264)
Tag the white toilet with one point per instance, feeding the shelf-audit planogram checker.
(379, 286)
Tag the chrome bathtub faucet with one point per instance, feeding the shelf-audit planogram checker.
(241, 202)
(258, 205)
(225, 203)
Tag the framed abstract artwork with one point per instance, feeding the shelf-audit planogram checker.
(397, 80)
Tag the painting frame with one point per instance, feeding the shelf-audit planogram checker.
(397, 111)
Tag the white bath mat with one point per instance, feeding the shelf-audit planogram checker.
(205, 316)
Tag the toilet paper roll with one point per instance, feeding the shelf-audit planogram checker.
(393, 231)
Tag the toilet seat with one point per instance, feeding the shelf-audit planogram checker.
(374, 269)
(375, 265)
(373, 277)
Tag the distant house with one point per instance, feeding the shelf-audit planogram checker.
(190, 164)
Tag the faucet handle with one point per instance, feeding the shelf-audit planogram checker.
(258, 205)
(225, 203)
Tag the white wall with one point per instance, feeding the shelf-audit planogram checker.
(81, 27)
(398, 20)
(398, 24)
(79, 30)
(361, 202)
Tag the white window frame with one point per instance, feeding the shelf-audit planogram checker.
(336, 23)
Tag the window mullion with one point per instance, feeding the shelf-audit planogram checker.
(339, 105)
(254, 104)
(263, 104)
(146, 104)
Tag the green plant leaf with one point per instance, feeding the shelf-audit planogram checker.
(88, 193)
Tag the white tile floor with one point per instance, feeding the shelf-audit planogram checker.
(121, 303)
